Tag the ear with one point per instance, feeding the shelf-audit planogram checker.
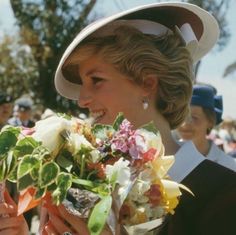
(150, 83)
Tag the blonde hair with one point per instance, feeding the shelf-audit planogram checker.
(136, 55)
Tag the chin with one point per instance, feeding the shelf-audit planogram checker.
(186, 136)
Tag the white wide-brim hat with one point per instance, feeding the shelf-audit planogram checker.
(197, 27)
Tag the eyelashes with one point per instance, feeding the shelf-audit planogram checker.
(96, 80)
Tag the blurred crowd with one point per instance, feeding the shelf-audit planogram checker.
(224, 136)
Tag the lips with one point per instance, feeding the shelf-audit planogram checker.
(97, 114)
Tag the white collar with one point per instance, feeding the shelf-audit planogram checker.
(186, 159)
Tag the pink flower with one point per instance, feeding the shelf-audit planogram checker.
(120, 140)
(27, 131)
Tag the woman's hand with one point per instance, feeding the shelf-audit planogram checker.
(66, 222)
(12, 224)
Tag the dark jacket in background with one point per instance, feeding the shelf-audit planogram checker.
(212, 211)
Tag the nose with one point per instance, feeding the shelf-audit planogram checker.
(85, 97)
(188, 119)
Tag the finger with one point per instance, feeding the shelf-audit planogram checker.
(10, 222)
(77, 223)
(7, 209)
(9, 199)
(59, 224)
(49, 229)
(11, 231)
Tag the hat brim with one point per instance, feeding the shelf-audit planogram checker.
(169, 14)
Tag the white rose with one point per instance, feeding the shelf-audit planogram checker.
(76, 141)
(48, 131)
(120, 172)
(151, 139)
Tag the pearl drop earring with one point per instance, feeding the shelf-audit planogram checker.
(145, 104)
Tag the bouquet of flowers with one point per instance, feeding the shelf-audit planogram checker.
(102, 173)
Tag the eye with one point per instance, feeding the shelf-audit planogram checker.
(96, 80)
(194, 118)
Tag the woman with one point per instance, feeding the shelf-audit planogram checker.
(139, 62)
(204, 116)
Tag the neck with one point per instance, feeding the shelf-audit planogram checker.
(171, 147)
(203, 146)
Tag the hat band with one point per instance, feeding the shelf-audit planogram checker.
(145, 26)
(152, 28)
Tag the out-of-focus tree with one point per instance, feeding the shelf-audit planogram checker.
(47, 27)
(18, 70)
(218, 8)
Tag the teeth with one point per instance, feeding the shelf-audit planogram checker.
(97, 114)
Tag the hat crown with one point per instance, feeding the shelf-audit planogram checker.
(205, 97)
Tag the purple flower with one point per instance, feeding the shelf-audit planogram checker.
(128, 141)
(120, 140)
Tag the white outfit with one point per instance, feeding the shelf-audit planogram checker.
(187, 158)
(217, 155)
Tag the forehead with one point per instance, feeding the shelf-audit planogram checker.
(196, 110)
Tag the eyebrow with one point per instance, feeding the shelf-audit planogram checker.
(92, 71)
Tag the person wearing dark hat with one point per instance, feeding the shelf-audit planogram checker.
(5, 108)
(140, 62)
(205, 112)
(22, 113)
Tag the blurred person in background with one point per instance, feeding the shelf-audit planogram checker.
(22, 113)
(205, 113)
(227, 133)
(6, 108)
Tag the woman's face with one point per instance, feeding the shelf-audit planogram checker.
(195, 127)
(106, 92)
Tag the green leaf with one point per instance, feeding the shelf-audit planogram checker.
(12, 177)
(48, 174)
(2, 170)
(58, 196)
(83, 182)
(64, 182)
(41, 153)
(26, 165)
(102, 189)
(150, 127)
(13, 129)
(51, 187)
(35, 172)
(102, 132)
(64, 162)
(25, 146)
(25, 182)
(99, 215)
(11, 163)
(7, 141)
(119, 119)
(40, 192)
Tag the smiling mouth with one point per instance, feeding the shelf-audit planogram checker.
(97, 115)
